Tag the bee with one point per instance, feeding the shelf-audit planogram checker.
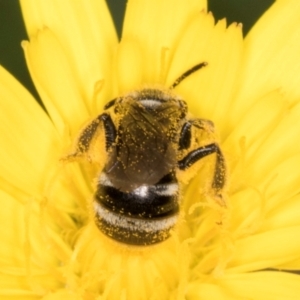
(148, 137)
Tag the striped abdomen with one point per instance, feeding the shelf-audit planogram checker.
(142, 217)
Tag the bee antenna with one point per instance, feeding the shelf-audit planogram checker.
(187, 73)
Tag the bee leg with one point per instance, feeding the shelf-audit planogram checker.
(185, 136)
(85, 138)
(219, 179)
(109, 129)
(186, 131)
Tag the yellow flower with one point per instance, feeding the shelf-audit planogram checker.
(50, 246)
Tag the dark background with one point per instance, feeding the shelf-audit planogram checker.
(12, 30)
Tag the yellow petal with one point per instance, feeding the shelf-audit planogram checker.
(205, 291)
(282, 143)
(86, 34)
(293, 265)
(262, 286)
(265, 250)
(270, 207)
(138, 273)
(129, 65)
(252, 129)
(17, 293)
(157, 25)
(53, 74)
(29, 144)
(271, 58)
(63, 294)
(26, 262)
(209, 91)
(284, 215)
(246, 212)
(281, 183)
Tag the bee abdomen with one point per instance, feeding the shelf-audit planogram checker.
(143, 216)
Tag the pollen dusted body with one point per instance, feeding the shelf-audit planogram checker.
(148, 136)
